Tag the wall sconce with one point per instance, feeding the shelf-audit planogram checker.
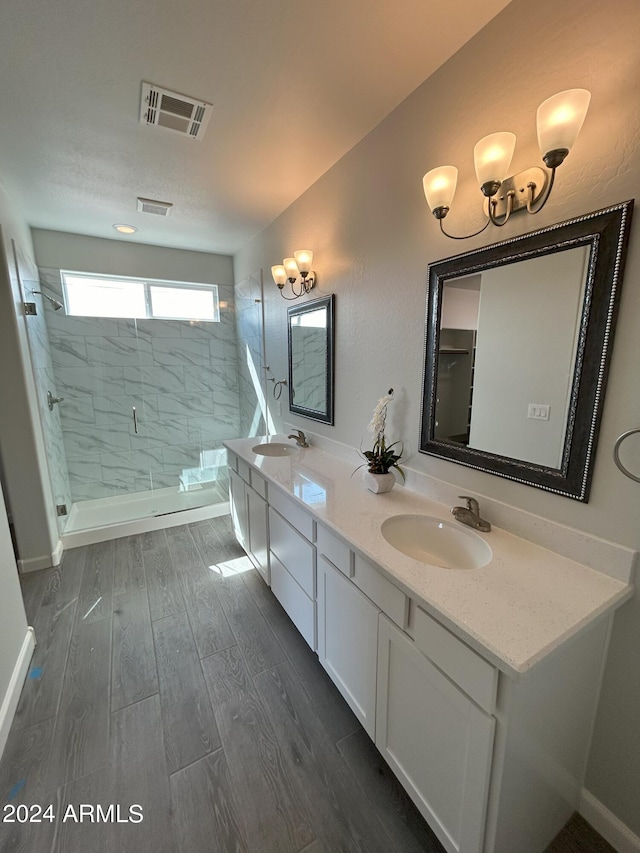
(292, 268)
(559, 120)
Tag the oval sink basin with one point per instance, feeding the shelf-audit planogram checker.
(437, 542)
(275, 448)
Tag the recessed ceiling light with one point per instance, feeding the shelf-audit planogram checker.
(125, 229)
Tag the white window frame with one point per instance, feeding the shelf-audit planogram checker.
(147, 284)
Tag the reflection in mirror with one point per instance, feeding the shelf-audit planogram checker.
(517, 349)
(310, 333)
(495, 326)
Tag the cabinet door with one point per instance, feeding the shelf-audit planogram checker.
(238, 506)
(258, 541)
(348, 641)
(437, 741)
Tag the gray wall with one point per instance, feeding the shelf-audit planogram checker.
(373, 237)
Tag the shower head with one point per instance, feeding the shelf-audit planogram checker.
(56, 305)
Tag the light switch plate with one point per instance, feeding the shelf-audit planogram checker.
(538, 411)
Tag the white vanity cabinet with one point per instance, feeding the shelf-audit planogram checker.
(348, 641)
(293, 563)
(247, 498)
(435, 738)
(492, 756)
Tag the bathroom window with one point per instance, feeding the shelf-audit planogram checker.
(87, 295)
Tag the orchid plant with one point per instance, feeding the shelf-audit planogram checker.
(382, 457)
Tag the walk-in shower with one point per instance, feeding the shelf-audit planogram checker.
(135, 441)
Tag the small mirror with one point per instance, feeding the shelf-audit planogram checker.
(310, 332)
(518, 341)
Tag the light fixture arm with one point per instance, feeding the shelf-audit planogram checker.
(464, 236)
(492, 207)
(542, 200)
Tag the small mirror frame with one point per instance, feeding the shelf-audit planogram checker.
(326, 415)
(606, 232)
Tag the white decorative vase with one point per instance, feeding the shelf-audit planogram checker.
(378, 483)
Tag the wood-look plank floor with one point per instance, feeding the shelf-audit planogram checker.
(168, 682)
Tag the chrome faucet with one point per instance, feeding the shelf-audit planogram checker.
(470, 514)
(300, 438)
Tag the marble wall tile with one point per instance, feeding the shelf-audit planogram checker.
(202, 379)
(158, 433)
(184, 405)
(227, 413)
(88, 440)
(130, 463)
(149, 329)
(98, 380)
(119, 351)
(85, 470)
(180, 351)
(204, 431)
(153, 380)
(198, 329)
(51, 281)
(75, 411)
(92, 491)
(69, 352)
(61, 325)
(158, 480)
(184, 456)
(119, 409)
(223, 350)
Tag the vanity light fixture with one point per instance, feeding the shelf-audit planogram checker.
(559, 120)
(299, 266)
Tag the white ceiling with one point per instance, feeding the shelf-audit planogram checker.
(294, 84)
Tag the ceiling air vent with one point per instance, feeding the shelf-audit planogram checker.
(179, 113)
(159, 208)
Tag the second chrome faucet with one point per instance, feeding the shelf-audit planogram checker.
(300, 438)
(470, 514)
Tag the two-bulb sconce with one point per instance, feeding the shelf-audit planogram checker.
(559, 120)
(293, 269)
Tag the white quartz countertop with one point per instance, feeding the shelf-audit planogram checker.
(526, 602)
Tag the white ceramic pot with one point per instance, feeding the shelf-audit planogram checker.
(378, 483)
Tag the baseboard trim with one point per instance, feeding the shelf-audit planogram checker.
(611, 828)
(11, 697)
(34, 564)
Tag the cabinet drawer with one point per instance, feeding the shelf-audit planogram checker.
(299, 607)
(258, 483)
(468, 670)
(296, 516)
(388, 597)
(335, 550)
(293, 551)
(244, 470)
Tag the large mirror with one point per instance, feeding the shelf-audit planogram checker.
(311, 329)
(518, 341)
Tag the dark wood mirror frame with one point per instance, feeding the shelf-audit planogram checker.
(606, 233)
(326, 414)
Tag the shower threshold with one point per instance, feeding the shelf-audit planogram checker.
(123, 515)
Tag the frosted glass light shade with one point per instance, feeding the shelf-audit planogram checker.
(492, 156)
(303, 259)
(279, 274)
(440, 186)
(560, 119)
(291, 267)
